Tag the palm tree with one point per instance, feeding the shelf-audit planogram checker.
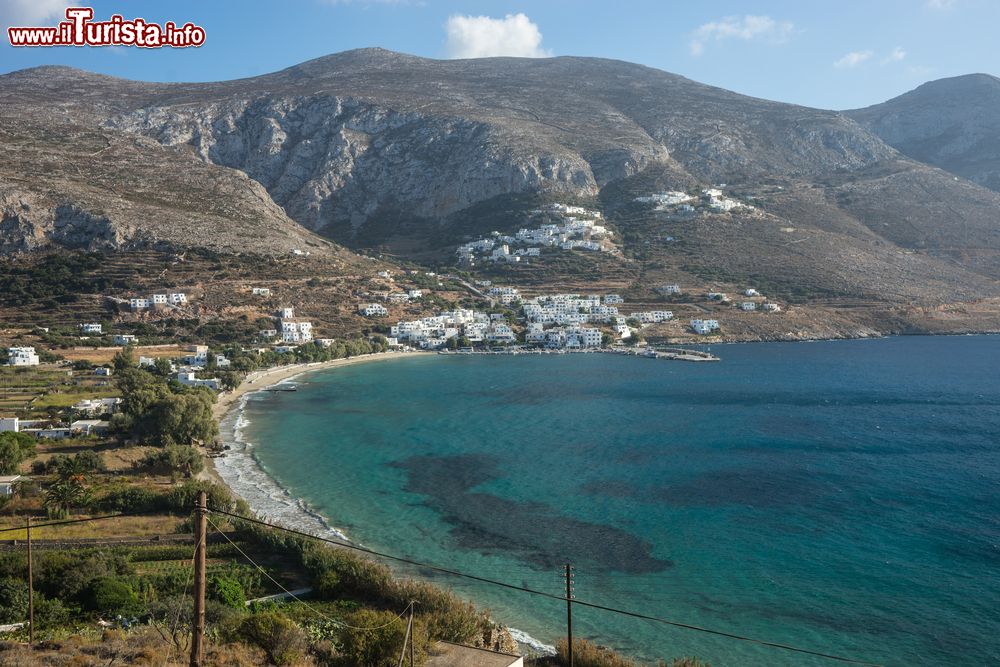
(64, 495)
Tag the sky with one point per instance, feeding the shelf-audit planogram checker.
(832, 54)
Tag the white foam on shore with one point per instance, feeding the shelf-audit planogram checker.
(247, 478)
(524, 638)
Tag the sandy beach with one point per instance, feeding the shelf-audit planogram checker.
(264, 378)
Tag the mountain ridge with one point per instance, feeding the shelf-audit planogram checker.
(376, 149)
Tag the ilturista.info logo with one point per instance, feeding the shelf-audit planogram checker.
(79, 29)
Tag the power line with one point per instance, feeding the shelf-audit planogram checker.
(69, 521)
(592, 605)
(296, 598)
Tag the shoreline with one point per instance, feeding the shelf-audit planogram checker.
(240, 472)
(232, 401)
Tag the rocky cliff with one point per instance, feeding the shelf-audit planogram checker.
(950, 123)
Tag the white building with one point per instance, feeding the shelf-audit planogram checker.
(7, 484)
(704, 327)
(178, 298)
(261, 291)
(296, 331)
(188, 379)
(9, 424)
(104, 371)
(268, 333)
(748, 306)
(22, 356)
(613, 298)
(139, 303)
(751, 292)
(124, 339)
(98, 406)
(91, 328)
(287, 313)
(374, 310)
(161, 299)
(415, 293)
(772, 308)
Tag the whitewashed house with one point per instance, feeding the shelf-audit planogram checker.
(415, 293)
(287, 313)
(268, 333)
(161, 299)
(22, 356)
(671, 289)
(703, 327)
(772, 308)
(124, 339)
(374, 310)
(751, 292)
(261, 291)
(613, 298)
(748, 306)
(91, 328)
(178, 298)
(104, 371)
(296, 331)
(188, 379)
(140, 303)
(9, 424)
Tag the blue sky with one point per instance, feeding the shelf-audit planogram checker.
(823, 53)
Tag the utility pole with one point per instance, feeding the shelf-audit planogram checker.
(407, 639)
(569, 613)
(31, 589)
(413, 632)
(198, 626)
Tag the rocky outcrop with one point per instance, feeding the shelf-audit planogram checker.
(329, 160)
(26, 226)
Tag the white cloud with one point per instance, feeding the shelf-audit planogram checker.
(32, 12)
(483, 37)
(940, 4)
(895, 56)
(853, 59)
(747, 28)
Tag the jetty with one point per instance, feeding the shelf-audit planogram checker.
(670, 354)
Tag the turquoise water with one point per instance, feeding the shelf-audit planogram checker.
(841, 496)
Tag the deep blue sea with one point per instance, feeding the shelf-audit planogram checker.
(839, 496)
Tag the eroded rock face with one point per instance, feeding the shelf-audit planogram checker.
(26, 226)
(334, 161)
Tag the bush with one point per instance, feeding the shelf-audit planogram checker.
(111, 596)
(379, 643)
(175, 458)
(227, 591)
(13, 601)
(50, 612)
(282, 640)
(588, 654)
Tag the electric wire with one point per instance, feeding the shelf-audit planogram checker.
(581, 603)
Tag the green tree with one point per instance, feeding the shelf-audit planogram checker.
(14, 449)
(182, 418)
(124, 358)
(139, 389)
(65, 495)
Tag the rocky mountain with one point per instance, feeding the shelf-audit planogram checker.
(375, 148)
(951, 123)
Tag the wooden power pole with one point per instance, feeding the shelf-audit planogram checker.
(198, 625)
(31, 589)
(569, 613)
